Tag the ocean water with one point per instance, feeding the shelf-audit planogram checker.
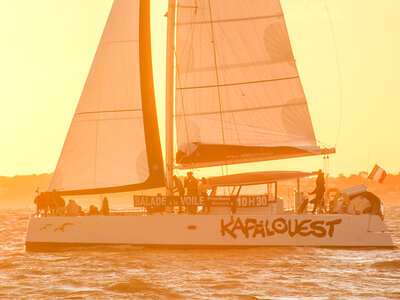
(141, 273)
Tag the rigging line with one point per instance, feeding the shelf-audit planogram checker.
(179, 78)
(103, 74)
(182, 103)
(339, 74)
(216, 71)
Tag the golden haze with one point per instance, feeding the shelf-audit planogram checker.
(47, 46)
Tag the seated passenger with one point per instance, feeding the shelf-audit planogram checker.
(203, 188)
(93, 210)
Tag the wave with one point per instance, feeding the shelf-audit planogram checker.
(137, 286)
(389, 264)
(7, 265)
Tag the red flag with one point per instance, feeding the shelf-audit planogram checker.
(377, 174)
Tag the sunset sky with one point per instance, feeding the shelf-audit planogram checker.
(47, 46)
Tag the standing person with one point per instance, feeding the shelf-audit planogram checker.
(191, 185)
(51, 198)
(319, 191)
(105, 210)
(41, 204)
(178, 187)
(60, 203)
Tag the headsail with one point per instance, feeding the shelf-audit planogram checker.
(238, 93)
(113, 144)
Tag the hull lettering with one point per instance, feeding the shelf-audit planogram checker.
(251, 228)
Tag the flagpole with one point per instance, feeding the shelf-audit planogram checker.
(169, 98)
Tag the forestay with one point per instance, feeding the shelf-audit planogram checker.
(238, 93)
(113, 143)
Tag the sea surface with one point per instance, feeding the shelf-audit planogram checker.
(141, 273)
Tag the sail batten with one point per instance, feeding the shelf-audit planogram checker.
(241, 110)
(238, 93)
(113, 143)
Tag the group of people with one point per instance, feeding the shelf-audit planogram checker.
(105, 210)
(51, 203)
(193, 188)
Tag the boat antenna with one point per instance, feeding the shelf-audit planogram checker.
(339, 74)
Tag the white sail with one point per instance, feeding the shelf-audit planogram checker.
(238, 93)
(113, 143)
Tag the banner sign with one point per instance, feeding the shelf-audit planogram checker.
(214, 201)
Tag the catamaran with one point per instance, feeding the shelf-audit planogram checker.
(234, 94)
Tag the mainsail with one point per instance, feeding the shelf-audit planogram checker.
(238, 93)
(113, 144)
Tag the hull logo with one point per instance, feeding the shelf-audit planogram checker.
(45, 227)
(251, 227)
(62, 227)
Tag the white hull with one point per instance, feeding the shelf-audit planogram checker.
(210, 230)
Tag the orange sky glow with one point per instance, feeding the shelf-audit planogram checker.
(47, 46)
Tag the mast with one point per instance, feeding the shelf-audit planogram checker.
(169, 98)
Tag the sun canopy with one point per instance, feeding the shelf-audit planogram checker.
(257, 177)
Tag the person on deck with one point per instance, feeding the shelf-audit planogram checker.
(105, 209)
(51, 200)
(203, 188)
(72, 208)
(191, 185)
(93, 211)
(319, 191)
(60, 203)
(41, 204)
(178, 187)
